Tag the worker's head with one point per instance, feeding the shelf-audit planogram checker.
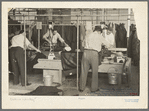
(98, 29)
(54, 31)
(50, 25)
(109, 30)
(22, 32)
(17, 32)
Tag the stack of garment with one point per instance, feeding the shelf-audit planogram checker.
(134, 45)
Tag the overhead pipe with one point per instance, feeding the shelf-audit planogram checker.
(65, 20)
(79, 15)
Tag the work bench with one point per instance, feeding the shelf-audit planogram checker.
(54, 67)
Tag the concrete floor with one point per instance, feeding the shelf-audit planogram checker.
(70, 83)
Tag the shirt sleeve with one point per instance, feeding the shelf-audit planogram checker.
(46, 34)
(27, 42)
(103, 40)
(112, 39)
(59, 37)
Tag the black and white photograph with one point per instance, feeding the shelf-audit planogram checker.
(87, 53)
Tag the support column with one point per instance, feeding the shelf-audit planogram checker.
(25, 48)
(128, 26)
(77, 50)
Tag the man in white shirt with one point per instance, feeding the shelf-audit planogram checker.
(110, 37)
(90, 57)
(17, 56)
(52, 36)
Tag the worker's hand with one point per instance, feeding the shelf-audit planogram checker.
(50, 43)
(66, 45)
(38, 50)
(110, 46)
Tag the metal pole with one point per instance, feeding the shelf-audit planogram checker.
(25, 49)
(128, 20)
(102, 15)
(39, 39)
(118, 16)
(77, 49)
(128, 27)
(97, 17)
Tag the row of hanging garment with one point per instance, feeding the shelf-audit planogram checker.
(120, 34)
(134, 45)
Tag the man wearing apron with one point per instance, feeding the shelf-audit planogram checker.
(90, 57)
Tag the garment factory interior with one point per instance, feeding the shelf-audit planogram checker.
(59, 75)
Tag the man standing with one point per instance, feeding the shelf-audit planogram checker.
(17, 56)
(90, 57)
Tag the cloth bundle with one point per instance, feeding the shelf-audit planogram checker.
(44, 90)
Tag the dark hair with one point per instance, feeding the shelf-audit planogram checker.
(50, 22)
(98, 28)
(21, 31)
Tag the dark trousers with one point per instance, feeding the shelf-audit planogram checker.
(89, 58)
(17, 58)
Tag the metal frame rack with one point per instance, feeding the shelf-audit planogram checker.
(99, 17)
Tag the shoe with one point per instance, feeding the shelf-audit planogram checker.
(28, 84)
(95, 91)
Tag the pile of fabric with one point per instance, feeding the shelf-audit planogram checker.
(44, 90)
(69, 62)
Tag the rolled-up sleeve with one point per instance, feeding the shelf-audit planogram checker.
(46, 35)
(60, 38)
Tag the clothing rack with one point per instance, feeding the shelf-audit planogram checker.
(75, 15)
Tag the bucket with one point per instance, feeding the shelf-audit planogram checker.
(48, 80)
(112, 78)
(112, 75)
(124, 78)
